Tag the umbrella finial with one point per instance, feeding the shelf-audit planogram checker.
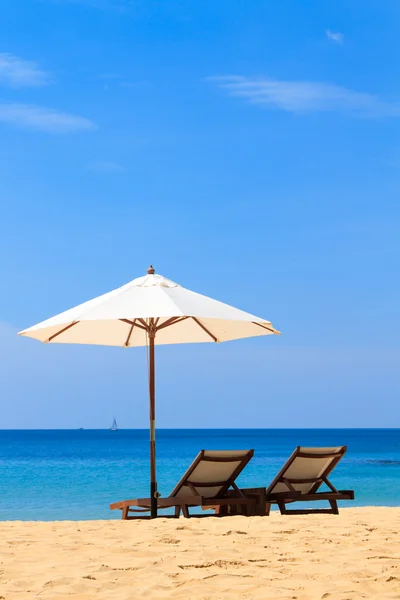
(150, 270)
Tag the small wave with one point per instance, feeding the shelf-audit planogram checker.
(384, 461)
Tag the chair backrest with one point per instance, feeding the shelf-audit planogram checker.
(212, 473)
(306, 470)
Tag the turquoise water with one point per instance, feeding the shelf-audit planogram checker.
(46, 475)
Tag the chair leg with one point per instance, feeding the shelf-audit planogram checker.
(125, 512)
(282, 507)
(267, 509)
(177, 511)
(185, 511)
(334, 507)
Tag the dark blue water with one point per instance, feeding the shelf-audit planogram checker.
(46, 475)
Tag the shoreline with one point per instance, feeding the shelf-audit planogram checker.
(353, 555)
(202, 516)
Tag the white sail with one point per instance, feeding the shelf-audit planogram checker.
(114, 426)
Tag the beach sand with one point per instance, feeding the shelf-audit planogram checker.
(351, 556)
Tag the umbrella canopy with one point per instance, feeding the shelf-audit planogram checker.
(148, 311)
(120, 318)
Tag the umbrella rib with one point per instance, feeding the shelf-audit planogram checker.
(271, 329)
(171, 321)
(129, 334)
(61, 331)
(204, 329)
(133, 322)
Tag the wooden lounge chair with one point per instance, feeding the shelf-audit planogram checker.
(301, 477)
(204, 484)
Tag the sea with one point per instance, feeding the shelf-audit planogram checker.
(51, 475)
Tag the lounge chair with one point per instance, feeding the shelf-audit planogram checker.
(204, 484)
(301, 477)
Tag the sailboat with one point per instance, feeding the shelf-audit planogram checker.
(114, 426)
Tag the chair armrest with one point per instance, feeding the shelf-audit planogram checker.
(161, 502)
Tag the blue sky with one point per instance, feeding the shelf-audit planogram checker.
(251, 152)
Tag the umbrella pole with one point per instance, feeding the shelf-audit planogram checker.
(153, 480)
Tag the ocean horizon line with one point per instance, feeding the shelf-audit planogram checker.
(205, 429)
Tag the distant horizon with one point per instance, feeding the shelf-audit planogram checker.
(207, 429)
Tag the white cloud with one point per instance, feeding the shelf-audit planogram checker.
(39, 118)
(335, 36)
(104, 166)
(17, 72)
(306, 96)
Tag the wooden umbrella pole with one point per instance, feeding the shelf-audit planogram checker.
(153, 478)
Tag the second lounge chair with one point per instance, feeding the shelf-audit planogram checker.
(300, 478)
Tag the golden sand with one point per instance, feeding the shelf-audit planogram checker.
(351, 556)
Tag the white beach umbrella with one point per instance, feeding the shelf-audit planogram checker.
(147, 311)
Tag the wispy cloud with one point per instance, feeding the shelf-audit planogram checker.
(105, 166)
(121, 81)
(335, 36)
(394, 163)
(109, 76)
(16, 72)
(39, 118)
(134, 84)
(305, 96)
